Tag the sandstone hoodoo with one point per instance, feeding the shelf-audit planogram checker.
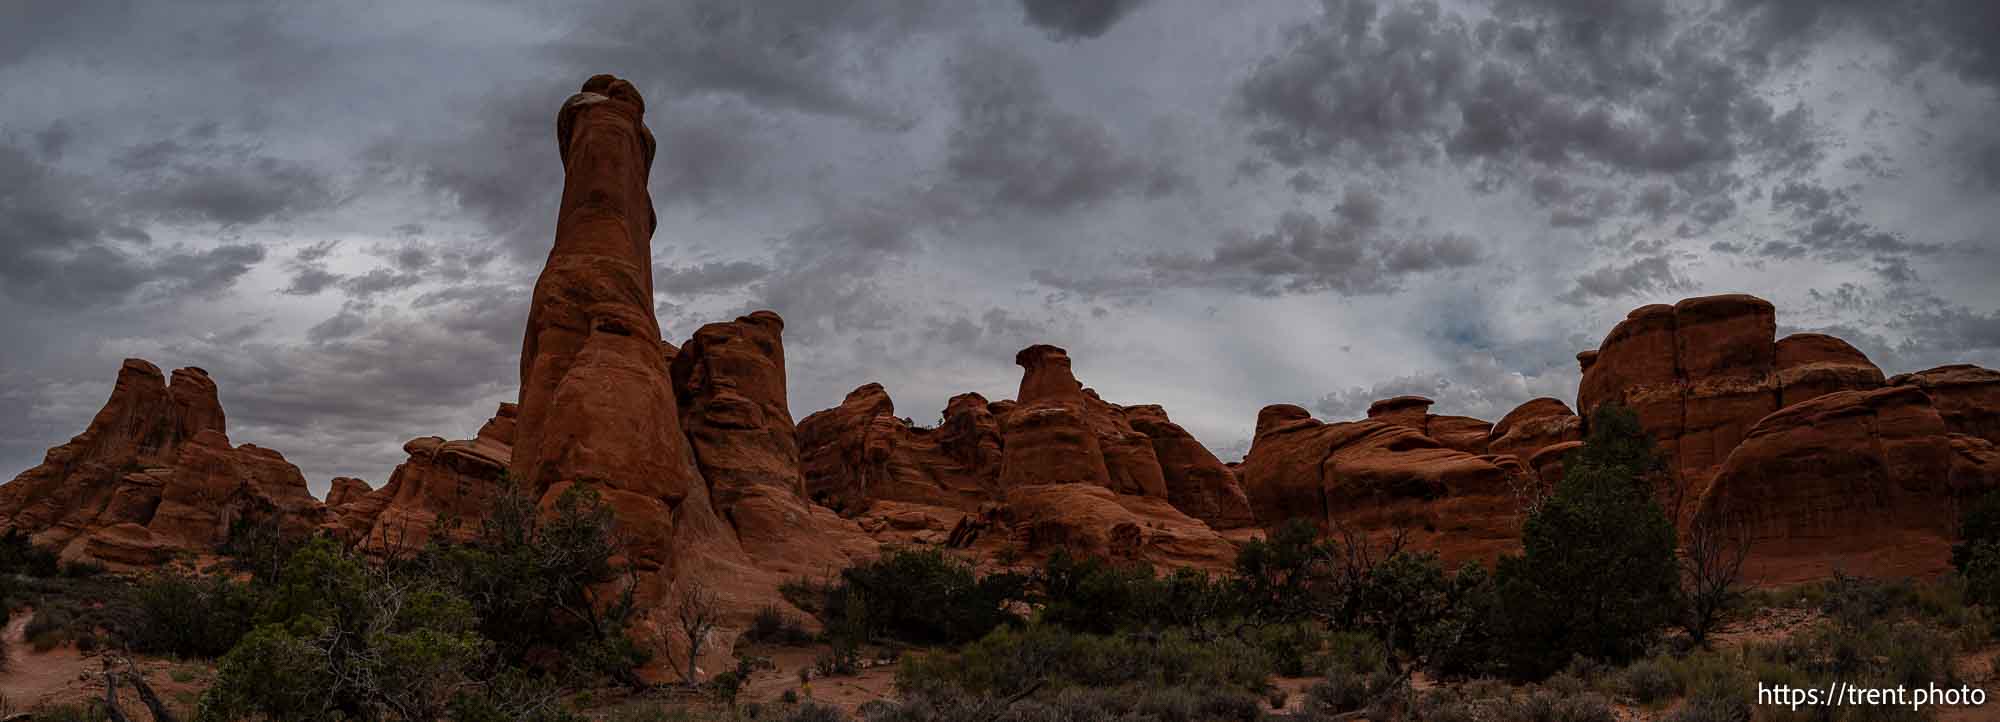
(597, 402)
(1700, 373)
(1533, 426)
(1058, 468)
(453, 480)
(154, 474)
(1865, 482)
(1463, 433)
(1378, 477)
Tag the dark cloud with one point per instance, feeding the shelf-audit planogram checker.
(378, 281)
(1648, 274)
(345, 324)
(219, 183)
(61, 245)
(1014, 145)
(1072, 19)
(800, 56)
(1478, 385)
(707, 278)
(1348, 254)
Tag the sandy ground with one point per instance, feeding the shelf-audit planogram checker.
(65, 676)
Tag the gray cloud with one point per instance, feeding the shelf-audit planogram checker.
(1013, 145)
(1072, 19)
(922, 186)
(1648, 274)
(1348, 254)
(707, 278)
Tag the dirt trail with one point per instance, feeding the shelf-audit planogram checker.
(33, 677)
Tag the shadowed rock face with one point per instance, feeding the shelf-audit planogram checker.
(1967, 397)
(455, 480)
(730, 385)
(1197, 483)
(1864, 481)
(1533, 426)
(153, 475)
(1049, 439)
(1374, 477)
(1702, 372)
(598, 405)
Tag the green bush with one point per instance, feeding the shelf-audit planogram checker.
(1597, 576)
(1281, 577)
(1295, 650)
(1086, 594)
(1547, 706)
(922, 596)
(772, 626)
(1648, 681)
(1347, 690)
(344, 640)
(193, 616)
(19, 556)
(1978, 526)
(1010, 660)
(1118, 704)
(536, 583)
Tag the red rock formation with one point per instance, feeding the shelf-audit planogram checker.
(598, 405)
(1198, 484)
(1062, 468)
(1862, 481)
(453, 480)
(1967, 397)
(1375, 477)
(1463, 433)
(346, 489)
(1811, 365)
(1702, 372)
(1533, 426)
(1407, 411)
(730, 378)
(1048, 438)
(153, 475)
(860, 453)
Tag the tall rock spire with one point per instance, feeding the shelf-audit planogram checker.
(597, 398)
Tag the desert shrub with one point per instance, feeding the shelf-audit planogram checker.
(537, 583)
(1076, 704)
(922, 596)
(48, 629)
(193, 616)
(342, 639)
(1550, 706)
(1978, 526)
(1088, 594)
(1982, 575)
(772, 626)
(729, 683)
(1597, 576)
(1346, 690)
(1280, 576)
(1648, 681)
(1712, 709)
(514, 696)
(812, 712)
(68, 713)
(19, 556)
(1011, 660)
(1294, 649)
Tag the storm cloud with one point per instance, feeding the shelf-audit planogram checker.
(341, 215)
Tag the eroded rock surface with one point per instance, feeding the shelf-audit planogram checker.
(154, 474)
(1868, 482)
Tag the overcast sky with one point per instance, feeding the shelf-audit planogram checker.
(338, 209)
